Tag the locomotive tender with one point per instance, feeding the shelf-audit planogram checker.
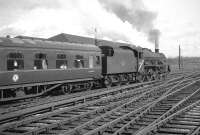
(33, 67)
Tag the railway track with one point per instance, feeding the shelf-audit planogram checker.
(184, 122)
(59, 104)
(31, 108)
(166, 106)
(27, 103)
(133, 121)
(10, 107)
(88, 112)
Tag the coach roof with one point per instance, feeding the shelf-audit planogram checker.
(45, 44)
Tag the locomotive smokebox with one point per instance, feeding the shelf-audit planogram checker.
(156, 45)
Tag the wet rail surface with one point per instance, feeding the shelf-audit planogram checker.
(78, 119)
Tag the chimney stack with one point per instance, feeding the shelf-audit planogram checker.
(156, 45)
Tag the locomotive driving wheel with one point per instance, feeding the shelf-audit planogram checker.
(89, 85)
(108, 82)
(153, 77)
(158, 76)
(126, 79)
(119, 80)
(140, 78)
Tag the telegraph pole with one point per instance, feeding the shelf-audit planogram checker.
(179, 58)
(95, 36)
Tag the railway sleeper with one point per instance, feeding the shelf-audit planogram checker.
(178, 123)
(40, 125)
(140, 119)
(173, 130)
(172, 125)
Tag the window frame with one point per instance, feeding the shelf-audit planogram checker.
(79, 61)
(40, 60)
(63, 60)
(12, 59)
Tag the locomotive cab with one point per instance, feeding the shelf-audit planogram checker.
(119, 63)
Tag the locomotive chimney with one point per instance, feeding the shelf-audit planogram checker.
(156, 45)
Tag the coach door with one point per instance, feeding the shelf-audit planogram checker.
(91, 62)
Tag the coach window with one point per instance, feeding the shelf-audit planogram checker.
(61, 62)
(79, 61)
(40, 61)
(15, 61)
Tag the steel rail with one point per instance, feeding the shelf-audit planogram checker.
(73, 101)
(169, 104)
(21, 114)
(186, 121)
(114, 123)
(25, 122)
(10, 108)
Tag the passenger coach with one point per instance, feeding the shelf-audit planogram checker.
(38, 66)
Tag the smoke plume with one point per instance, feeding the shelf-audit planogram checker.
(153, 35)
(134, 12)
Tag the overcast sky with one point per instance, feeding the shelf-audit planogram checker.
(139, 22)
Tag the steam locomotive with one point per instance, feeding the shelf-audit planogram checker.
(34, 67)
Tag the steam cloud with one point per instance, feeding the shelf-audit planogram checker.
(134, 12)
(153, 35)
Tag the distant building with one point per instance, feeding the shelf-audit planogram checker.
(63, 37)
(85, 40)
(33, 38)
(72, 39)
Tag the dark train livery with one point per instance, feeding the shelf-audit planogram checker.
(33, 67)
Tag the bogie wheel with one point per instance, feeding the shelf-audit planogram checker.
(89, 85)
(20, 92)
(68, 88)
